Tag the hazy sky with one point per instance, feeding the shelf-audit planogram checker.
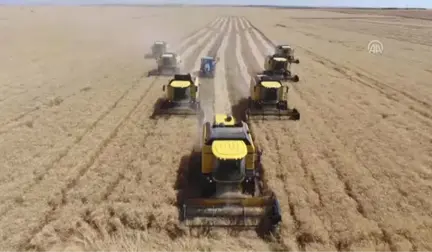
(357, 3)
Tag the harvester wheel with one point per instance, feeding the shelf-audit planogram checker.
(251, 187)
(207, 189)
(250, 102)
(275, 217)
(165, 105)
(247, 115)
(295, 114)
(283, 106)
(275, 231)
(195, 106)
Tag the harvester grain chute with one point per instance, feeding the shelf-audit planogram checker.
(288, 52)
(269, 98)
(167, 64)
(279, 66)
(229, 188)
(181, 96)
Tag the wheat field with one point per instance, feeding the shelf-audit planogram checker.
(84, 167)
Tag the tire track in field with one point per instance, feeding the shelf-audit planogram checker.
(206, 37)
(162, 166)
(15, 121)
(222, 103)
(65, 151)
(76, 142)
(237, 92)
(281, 160)
(219, 24)
(31, 115)
(92, 158)
(301, 241)
(207, 92)
(254, 58)
(376, 135)
(425, 138)
(161, 127)
(149, 131)
(265, 136)
(89, 129)
(237, 73)
(383, 232)
(210, 44)
(196, 34)
(56, 204)
(294, 158)
(383, 88)
(201, 46)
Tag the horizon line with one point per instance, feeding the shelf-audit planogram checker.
(218, 5)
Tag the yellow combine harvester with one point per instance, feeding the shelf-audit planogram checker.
(181, 96)
(158, 49)
(288, 53)
(230, 191)
(269, 97)
(167, 64)
(279, 66)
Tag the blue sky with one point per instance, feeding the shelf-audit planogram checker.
(336, 3)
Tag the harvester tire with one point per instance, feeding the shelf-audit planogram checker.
(296, 114)
(247, 115)
(252, 187)
(207, 189)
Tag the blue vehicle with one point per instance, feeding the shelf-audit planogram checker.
(208, 67)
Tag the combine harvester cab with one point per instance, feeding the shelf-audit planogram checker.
(288, 53)
(181, 96)
(208, 67)
(279, 66)
(230, 190)
(269, 98)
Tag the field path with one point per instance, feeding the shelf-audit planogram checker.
(370, 181)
